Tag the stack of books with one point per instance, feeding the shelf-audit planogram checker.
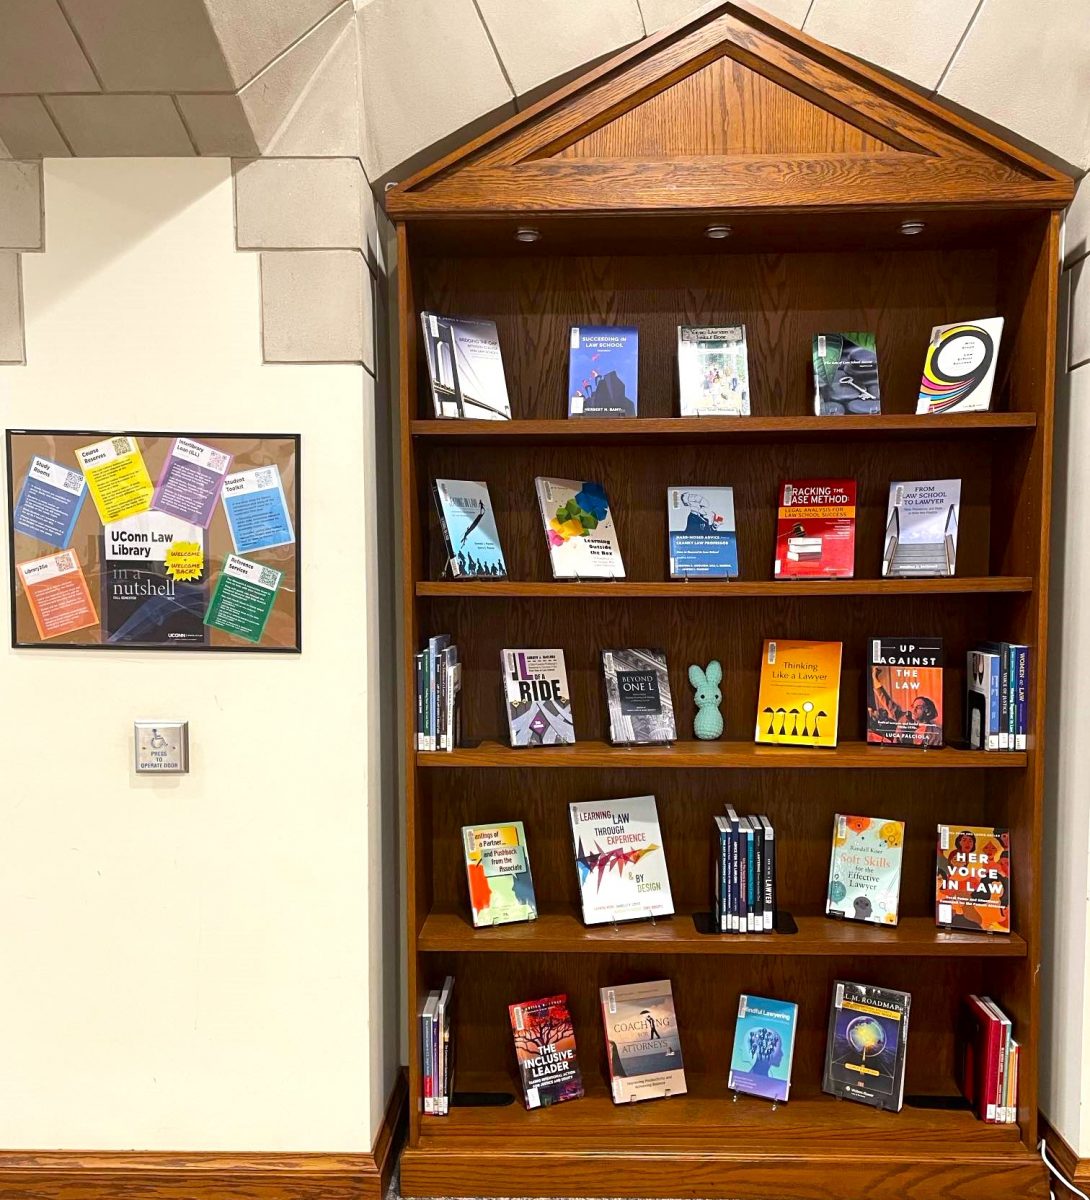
(437, 1048)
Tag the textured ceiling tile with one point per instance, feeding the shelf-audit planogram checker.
(539, 42)
(27, 130)
(657, 13)
(314, 306)
(110, 126)
(21, 205)
(38, 51)
(219, 125)
(253, 32)
(1077, 224)
(428, 70)
(1029, 72)
(325, 118)
(151, 45)
(299, 202)
(11, 309)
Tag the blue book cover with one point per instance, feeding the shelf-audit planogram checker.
(703, 540)
(603, 370)
(764, 1045)
(469, 529)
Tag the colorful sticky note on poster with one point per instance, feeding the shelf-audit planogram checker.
(56, 591)
(243, 599)
(117, 476)
(190, 482)
(257, 510)
(50, 502)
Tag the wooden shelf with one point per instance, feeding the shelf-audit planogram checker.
(711, 755)
(722, 429)
(565, 933)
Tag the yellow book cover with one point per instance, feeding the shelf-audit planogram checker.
(800, 693)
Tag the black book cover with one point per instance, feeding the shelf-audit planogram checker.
(865, 1051)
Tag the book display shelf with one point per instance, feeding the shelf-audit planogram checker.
(596, 206)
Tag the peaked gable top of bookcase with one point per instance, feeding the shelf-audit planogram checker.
(730, 110)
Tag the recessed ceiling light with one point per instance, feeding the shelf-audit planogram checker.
(717, 232)
(911, 228)
(526, 233)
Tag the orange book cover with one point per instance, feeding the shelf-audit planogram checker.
(799, 699)
(973, 878)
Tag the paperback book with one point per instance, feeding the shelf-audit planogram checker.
(865, 869)
(744, 873)
(465, 367)
(983, 699)
(579, 529)
(538, 701)
(703, 538)
(436, 1048)
(815, 530)
(922, 528)
(846, 375)
(799, 699)
(501, 889)
(959, 369)
(545, 1048)
(642, 1042)
(713, 371)
(641, 708)
(603, 371)
(470, 535)
(620, 860)
(904, 691)
(986, 1067)
(865, 1050)
(973, 879)
(999, 699)
(764, 1047)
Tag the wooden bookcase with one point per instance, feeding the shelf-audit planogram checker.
(814, 162)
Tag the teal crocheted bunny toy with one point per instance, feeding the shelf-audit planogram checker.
(708, 723)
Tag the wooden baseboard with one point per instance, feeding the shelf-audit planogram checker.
(138, 1175)
(1074, 1169)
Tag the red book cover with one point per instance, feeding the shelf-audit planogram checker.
(982, 1035)
(545, 1048)
(815, 530)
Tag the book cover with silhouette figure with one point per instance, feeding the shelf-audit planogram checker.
(643, 1044)
(815, 530)
(904, 691)
(470, 536)
(867, 1040)
(603, 371)
(799, 699)
(973, 878)
(544, 1038)
(501, 889)
(865, 869)
(764, 1047)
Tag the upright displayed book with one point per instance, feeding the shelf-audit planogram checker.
(865, 869)
(544, 1038)
(620, 860)
(579, 529)
(846, 375)
(764, 1047)
(799, 699)
(465, 367)
(603, 371)
(703, 539)
(469, 529)
(815, 530)
(713, 371)
(973, 879)
(922, 528)
(867, 1041)
(959, 369)
(643, 1044)
(641, 708)
(501, 889)
(904, 691)
(535, 685)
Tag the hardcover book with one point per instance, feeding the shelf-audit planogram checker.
(641, 709)
(469, 529)
(983, 683)
(538, 702)
(904, 691)
(846, 375)
(815, 530)
(642, 1042)
(579, 528)
(620, 860)
(973, 879)
(545, 1047)
(713, 371)
(922, 528)
(865, 1051)
(799, 699)
(959, 369)
(465, 367)
(501, 889)
(703, 540)
(865, 869)
(764, 1046)
(603, 371)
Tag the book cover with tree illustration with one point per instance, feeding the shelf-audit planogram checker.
(545, 1048)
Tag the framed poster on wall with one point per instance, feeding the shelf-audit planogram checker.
(154, 541)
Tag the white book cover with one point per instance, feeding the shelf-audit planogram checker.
(579, 528)
(620, 859)
(959, 369)
(713, 371)
(535, 686)
(922, 528)
(465, 367)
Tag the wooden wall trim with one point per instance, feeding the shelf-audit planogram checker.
(154, 1175)
(1076, 1170)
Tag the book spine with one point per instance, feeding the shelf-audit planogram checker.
(732, 877)
(988, 1067)
(758, 876)
(448, 545)
(1004, 696)
(1015, 1064)
(433, 693)
(426, 701)
(743, 877)
(724, 876)
(437, 1097)
(441, 701)
(1021, 678)
(1012, 702)
(418, 659)
(426, 1065)
(440, 1067)
(769, 914)
(993, 702)
(751, 881)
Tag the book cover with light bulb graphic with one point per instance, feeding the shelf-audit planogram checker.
(865, 869)
(865, 1050)
(799, 699)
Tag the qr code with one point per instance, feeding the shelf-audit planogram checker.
(65, 562)
(218, 462)
(120, 445)
(73, 481)
(268, 578)
(265, 477)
